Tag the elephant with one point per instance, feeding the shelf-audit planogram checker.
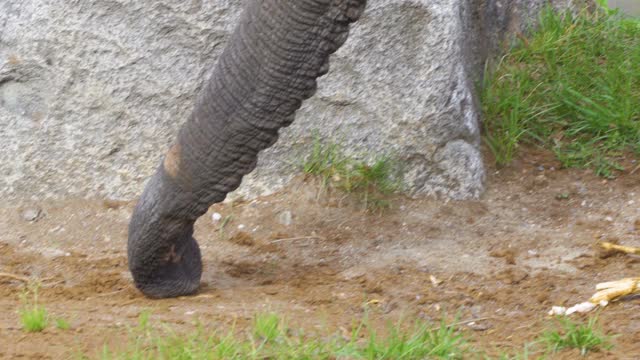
(267, 69)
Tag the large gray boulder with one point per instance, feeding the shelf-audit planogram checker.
(93, 92)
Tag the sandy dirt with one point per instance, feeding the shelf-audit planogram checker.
(503, 260)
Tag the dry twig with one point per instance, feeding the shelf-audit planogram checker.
(15, 277)
(613, 290)
(606, 291)
(312, 237)
(621, 248)
(465, 322)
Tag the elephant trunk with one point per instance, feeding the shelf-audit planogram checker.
(268, 68)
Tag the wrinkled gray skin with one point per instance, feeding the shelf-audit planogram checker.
(269, 67)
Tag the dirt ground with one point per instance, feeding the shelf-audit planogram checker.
(503, 261)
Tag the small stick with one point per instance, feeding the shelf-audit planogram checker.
(621, 248)
(53, 283)
(108, 294)
(204, 296)
(299, 238)
(613, 290)
(15, 277)
(465, 322)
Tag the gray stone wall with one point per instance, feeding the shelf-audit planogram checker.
(92, 92)
(630, 7)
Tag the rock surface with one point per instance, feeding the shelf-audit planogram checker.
(93, 92)
(631, 7)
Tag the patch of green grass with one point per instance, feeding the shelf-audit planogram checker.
(62, 324)
(420, 342)
(33, 316)
(223, 224)
(271, 338)
(585, 337)
(325, 161)
(572, 86)
(268, 327)
(371, 182)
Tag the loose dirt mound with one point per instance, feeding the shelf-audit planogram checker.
(502, 260)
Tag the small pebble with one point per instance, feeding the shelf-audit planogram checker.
(215, 217)
(58, 228)
(478, 326)
(52, 253)
(285, 218)
(557, 310)
(31, 214)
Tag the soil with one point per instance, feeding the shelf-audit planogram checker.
(502, 260)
